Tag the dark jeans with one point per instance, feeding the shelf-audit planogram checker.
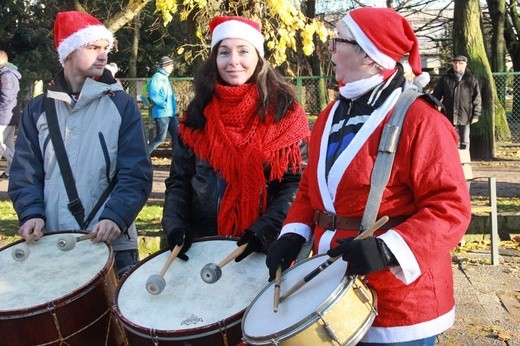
(163, 126)
(421, 342)
(125, 260)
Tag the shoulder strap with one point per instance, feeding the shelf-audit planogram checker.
(385, 157)
(75, 206)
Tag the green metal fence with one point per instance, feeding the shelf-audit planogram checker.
(315, 92)
(508, 92)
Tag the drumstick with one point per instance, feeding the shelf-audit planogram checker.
(367, 233)
(68, 242)
(156, 283)
(277, 286)
(212, 272)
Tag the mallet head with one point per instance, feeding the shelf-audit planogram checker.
(155, 284)
(20, 252)
(210, 273)
(66, 243)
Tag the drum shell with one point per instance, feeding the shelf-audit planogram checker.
(81, 317)
(225, 332)
(349, 311)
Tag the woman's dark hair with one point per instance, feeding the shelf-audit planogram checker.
(274, 92)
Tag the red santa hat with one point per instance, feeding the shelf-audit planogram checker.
(73, 30)
(223, 27)
(385, 36)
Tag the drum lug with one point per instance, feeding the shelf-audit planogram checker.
(328, 329)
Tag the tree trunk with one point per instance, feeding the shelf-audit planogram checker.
(468, 40)
(132, 68)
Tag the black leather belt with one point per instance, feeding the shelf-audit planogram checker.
(331, 221)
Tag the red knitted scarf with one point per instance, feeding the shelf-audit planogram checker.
(239, 146)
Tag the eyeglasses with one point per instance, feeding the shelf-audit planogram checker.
(334, 41)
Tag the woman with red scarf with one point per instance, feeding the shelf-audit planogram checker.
(237, 163)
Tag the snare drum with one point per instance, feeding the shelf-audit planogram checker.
(57, 297)
(330, 309)
(190, 311)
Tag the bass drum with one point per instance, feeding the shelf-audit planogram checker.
(56, 297)
(190, 311)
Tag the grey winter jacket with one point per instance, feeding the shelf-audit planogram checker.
(9, 87)
(104, 138)
(461, 99)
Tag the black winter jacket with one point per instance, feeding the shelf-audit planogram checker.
(461, 99)
(192, 198)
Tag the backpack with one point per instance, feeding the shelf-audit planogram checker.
(144, 95)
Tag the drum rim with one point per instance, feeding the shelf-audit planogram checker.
(175, 334)
(66, 299)
(286, 333)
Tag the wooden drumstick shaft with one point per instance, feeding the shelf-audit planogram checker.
(237, 252)
(86, 236)
(176, 250)
(277, 287)
(367, 233)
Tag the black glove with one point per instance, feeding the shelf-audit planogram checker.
(180, 238)
(256, 242)
(364, 256)
(283, 252)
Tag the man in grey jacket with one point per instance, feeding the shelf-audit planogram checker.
(104, 140)
(9, 88)
(459, 92)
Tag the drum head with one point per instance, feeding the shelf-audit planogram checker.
(48, 274)
(188, 305)
(261, 322)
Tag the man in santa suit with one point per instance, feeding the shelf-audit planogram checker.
(408, 261)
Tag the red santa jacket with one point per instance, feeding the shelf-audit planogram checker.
(415, 299)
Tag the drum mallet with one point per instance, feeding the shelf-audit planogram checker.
(212, 272)
(21, 252)
(156, 283)
(277, 287)
(367, 233)
(68, 242)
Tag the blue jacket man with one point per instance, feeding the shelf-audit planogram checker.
(103, 135)
(164, 107)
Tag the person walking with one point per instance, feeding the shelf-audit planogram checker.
(164, 105)
(237, 162)
(9, 88)
(408, 262)
(104, 143)
(459, 92)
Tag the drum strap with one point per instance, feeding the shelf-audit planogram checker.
(385, 157)
(75, 206)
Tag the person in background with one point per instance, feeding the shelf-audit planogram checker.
(237, 162)
(408, 262)
(164, 108)
(105, 144)
(459, 92)
(9, 88)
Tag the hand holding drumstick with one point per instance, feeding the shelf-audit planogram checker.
(367, 233)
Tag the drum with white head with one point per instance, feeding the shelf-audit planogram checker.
(56, 297)
(190, 311)
(330, 309)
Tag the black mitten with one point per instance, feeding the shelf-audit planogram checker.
(283, 252)
(364, 256)
(256, 242)
(181, 238)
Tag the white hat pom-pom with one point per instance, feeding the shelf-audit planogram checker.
(422, 80)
